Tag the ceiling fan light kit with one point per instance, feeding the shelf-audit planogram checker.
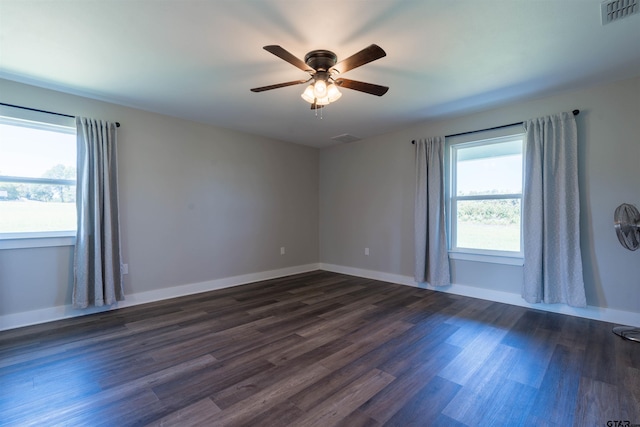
(322, 66)
(321, 94)
(626, 221)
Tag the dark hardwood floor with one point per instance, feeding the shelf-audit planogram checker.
(320, 349)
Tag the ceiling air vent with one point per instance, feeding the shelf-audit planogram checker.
(345, 137)
(615, 10)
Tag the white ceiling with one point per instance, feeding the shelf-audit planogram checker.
(197, 59)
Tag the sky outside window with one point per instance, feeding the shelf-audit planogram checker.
(28, 152)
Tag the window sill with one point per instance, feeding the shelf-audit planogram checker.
(36, 240)
(493, 259)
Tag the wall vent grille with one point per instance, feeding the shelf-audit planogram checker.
(617, 9)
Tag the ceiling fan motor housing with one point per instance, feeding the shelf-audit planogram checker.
(320, 60)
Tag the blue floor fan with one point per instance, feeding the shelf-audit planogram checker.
(627, 224)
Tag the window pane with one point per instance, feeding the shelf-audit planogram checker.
(47, 208)
(34, 153)
(490, 169)
(488, 224)
(36, 150)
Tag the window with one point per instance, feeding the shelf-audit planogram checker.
(37, 176)
(485, 196)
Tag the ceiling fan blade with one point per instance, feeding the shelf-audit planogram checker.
(287, 56)
(362, 86)
(279, 85)
(366, 55)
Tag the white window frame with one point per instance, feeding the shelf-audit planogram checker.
(453, 144)
(38, 120)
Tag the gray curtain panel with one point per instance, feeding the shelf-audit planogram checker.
(551, 215)
(97, 275)
(432, 257)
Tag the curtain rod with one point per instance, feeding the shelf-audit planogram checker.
(43, 111)
(575, 113)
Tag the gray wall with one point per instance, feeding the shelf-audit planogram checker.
(198, 203)
(201, 203)
(366, 194)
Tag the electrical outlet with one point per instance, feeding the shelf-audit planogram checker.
(282, 250)
(125, 268)
(366, 251)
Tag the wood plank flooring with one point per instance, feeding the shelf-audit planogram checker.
(319, 349)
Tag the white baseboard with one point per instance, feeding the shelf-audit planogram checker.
(620, 317)
(17, 320)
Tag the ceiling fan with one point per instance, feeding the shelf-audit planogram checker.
(323, 69)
